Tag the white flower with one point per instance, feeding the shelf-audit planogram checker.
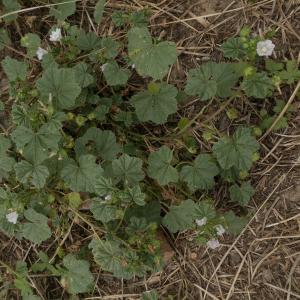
(55, 35)
(40, 53)
(220, 229)
(265, 48)
(12, 217)
(133, 66)
(103, 67)
(201, 222)
(107, 197)
(213, 244)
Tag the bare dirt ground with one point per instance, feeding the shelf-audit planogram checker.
(263, 262)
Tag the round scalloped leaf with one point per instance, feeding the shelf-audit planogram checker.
(210, 80)
(157, 105)
(150, 59)
(201, 174)
(61, 85)
(160, 167)
(236, 151)
(258, 85)
(98, 142)
(81, 176)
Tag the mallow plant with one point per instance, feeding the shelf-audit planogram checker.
(95, 137)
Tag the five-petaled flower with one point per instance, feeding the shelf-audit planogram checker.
(12, 217)
(55, 35)
(40, 53)
(265, 48)
(220, 229)
(213, 244)
(201, 222)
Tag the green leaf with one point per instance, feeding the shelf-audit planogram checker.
(4, 38)
(5, 144)
(6, 165)
(150, 295)
(36, 145)
(111, 257)
(201, 174)
(128, 169)
(258, 85)
(234, 223)
(98, 142)
(36, 174)
(292, 73)
(88, 41)
(134, 195)
(6, 162)
(156, 105)
(82, 76)
(114, 75)
(74, 200)
(180, 217)
(62, 11)
(99, 10)
(273, 66)
(233, 48)
(160, 167)
(100, 112)
(236, 151)
(37, 230)
(241, 194)
(151, 212)
(32, 42)
(110, 47)
(77, 277)
(206, 209)
(14, 69)
(210, 80)
(81, 177)
(104, 212)
(103, 186)
(61, 84)
(150, 59)
(10, 6)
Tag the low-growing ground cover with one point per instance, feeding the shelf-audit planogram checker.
(105, 146)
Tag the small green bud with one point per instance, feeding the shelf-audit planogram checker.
(153, 87)
(276, 80)
(70, 116)
(243, 175)
(207, 135)
(34, 93)
(249, 71)
(245, 31)
(91, 116)
(257, 131)
(255, 157)
(80, 120)
(50, 110)
(232, 113)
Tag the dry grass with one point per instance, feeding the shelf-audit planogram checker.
(263, 262)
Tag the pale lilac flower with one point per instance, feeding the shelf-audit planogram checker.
(201, 222)
(265, 48)
(40, 53)
(213, 244)
(220, 229)
(103, 67)
(12, 217)
(55, 35)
